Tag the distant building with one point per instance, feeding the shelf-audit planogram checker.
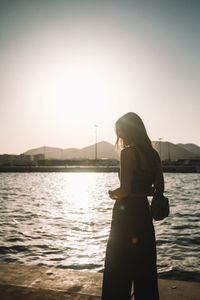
(191, 162)
(7, 159)
(24, 160)
(38, 157)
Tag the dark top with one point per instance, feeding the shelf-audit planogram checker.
(142, 179)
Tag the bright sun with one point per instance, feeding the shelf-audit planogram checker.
(82, 91)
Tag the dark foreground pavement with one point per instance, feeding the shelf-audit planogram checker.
(22, 282)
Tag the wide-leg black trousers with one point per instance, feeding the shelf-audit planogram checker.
(131, 253)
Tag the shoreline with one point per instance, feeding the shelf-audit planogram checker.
(95, 169)
(24, 282)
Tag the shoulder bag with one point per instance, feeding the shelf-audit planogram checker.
(159, 207)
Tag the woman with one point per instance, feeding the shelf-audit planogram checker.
(131, 249)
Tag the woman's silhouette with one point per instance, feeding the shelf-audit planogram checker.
(131, 249)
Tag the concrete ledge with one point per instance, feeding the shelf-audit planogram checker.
(24, 293)
(95, 169)
(32, 282)
(66, 169)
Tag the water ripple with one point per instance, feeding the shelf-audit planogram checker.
(63, 220)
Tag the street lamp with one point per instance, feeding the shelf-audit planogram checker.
(168, 151)
(95, 141)
(160, 139)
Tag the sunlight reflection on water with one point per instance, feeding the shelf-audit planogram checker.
(63, 220)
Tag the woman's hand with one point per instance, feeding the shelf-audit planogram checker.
(111, 194)
(116, 194)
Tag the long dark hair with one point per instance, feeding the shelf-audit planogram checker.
(130, 131)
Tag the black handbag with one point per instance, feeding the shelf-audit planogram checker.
(159, 207)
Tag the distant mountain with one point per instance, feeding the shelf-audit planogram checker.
(166, 150)
(191, 147)
(171, 151)
(49, 152)
(104, 150)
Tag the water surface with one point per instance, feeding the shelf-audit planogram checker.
(63, 220)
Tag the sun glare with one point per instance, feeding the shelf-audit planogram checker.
(83, 91)
(79, 189)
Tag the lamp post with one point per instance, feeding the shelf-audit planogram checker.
(160, 139)
(95, 141)
(168, 151)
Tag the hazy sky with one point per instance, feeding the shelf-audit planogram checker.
(68, 65)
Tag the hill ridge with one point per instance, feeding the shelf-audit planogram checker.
(166, 149)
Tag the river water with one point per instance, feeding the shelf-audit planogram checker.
(63, 220)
